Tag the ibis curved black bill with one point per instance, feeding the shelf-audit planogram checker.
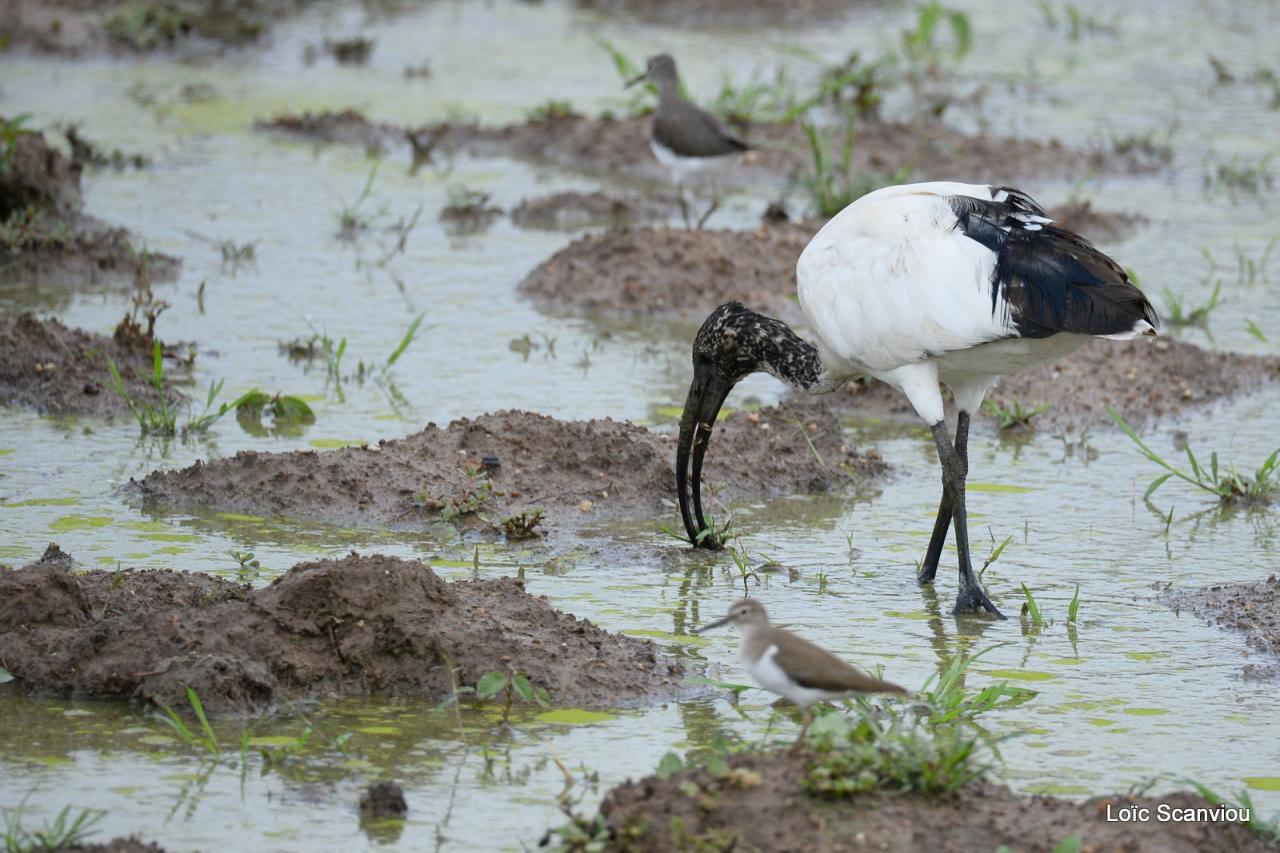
(707, 394)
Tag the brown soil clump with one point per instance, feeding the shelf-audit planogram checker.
(1100, 226)
(60, 371)
(79, 27)
(1251, 608)
(572, 211)
(760, 805)
(358, 626)
(130, 844)
(43, 233)
(345, 127)
(672, 273)
(730, 13)
(479, 471)
(1142, 380)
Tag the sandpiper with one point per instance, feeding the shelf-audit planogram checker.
(792, 666)
(685, 138)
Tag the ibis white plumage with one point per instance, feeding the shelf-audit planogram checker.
(919, 286)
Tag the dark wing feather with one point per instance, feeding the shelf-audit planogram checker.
(1052, 279)
(816, 668)
(693, 132)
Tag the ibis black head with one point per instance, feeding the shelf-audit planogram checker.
(733, 343)
(659, 70)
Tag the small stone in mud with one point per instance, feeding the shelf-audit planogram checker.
(383, 800)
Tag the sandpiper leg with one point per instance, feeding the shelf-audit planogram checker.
(942, 523)
(715, 205)
(804, 731)
(955, 467)
(684, 207)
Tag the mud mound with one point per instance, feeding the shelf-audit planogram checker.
(354, 626)
(60, 371)
(46, 237)
(1100, 226)
(672, 273)
(1143, 380)
(344, 127)
(620, 146)
(36, 175)
(730, 13)
(1252, 608)
(760, 805)
(577, 471)
(568, 211)
(130, 844)
(77, 27)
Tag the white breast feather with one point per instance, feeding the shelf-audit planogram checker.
(889, 281)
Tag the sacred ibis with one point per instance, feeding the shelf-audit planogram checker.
(917, 285)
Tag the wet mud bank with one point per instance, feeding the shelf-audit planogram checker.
(730, 13)
(1251, 608)
(760, 804)
(483, 472)
(683, 275)
(620, 147)
(1142, 380)
(573, 211)
(76, 28)
(57, 370)
(45, 235)
(356, 626)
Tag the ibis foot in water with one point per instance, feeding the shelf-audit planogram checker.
(955, 467)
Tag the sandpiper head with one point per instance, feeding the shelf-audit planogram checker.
(733, 343)
(742, 614)
(659, 70)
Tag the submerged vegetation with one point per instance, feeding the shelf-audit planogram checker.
(1016, 416)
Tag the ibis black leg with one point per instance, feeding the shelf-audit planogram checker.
(942, 523)
(684, 208)
(955, 467)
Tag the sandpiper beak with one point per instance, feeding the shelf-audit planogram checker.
(715, 624)
(639, 78)
(706, 395)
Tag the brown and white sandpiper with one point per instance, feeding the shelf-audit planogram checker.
(685, 138)
(792, 666)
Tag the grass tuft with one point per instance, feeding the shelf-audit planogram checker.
(1227, 484)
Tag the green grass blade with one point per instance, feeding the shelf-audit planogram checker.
(198, 707)
(1032, 608)
(406, 340)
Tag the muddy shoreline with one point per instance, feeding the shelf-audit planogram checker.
(46, 236)
(476, 472)
(759, 804)
(1251, 608)
(57, 370)
(619, 147)
(356, 626)
(71, 28)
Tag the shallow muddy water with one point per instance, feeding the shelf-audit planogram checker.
(1137, 691)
